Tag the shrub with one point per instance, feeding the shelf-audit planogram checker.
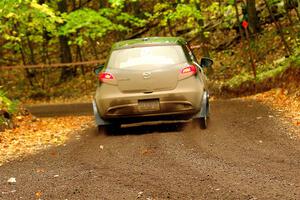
(7, 108)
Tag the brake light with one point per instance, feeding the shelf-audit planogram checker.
(190, 69)
(187, 72)
(106, 77)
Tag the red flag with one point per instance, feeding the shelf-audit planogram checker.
(245, 24)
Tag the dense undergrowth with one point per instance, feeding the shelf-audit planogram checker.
(233, 75)
(285, 72)
(7, 108)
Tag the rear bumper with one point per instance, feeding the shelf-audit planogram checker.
(186, 99)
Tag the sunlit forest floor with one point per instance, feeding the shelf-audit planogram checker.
(278, 99)
(32, 134)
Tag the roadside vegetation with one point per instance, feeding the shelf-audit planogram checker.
(7, 109)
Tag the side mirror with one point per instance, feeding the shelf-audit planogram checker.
(98, 69)
(206, 62)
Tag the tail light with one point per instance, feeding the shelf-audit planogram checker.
(187, 72)
(106, 77)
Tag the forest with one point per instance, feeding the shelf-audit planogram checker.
(48, 48)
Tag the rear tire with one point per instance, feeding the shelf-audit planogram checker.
(202, 122)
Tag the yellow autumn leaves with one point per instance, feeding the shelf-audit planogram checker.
(32, 135)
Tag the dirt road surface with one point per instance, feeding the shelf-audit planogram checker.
(246, 153)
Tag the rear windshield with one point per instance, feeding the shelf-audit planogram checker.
(146, 57)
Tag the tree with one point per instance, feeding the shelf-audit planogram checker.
(252, 16)
(65, 50)
(202, 36)
(23, 25)
(279, 29)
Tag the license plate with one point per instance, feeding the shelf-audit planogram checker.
(148, 105)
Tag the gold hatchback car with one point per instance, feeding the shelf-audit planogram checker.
(149, 79)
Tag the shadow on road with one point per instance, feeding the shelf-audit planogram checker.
(146, 129)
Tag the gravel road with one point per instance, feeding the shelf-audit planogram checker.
(246, 153)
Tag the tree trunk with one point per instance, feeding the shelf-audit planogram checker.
(238, 20)
(252, 17)
(298, 10)
(29, 74)
(170, 28)
(203, 39)
(287, 12)
(94, 48)
(65, 50)
(279, 29)
(103, 4)
(30, 46)
(65, 57)
(79, 58)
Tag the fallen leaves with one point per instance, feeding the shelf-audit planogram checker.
(39, 170)
(9, 192)
(38, 194)
(148, 151)
(139, 195)
(282, 101)
(12, 180)
(33, 134)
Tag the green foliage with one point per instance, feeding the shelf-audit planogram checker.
(271, 73)
(6, 105)
(27, 17)
(117, 3)
(22, 21)
(86, 23)
(277, 7)
(296, 57)
(237, 80)
(131, 20)
(117, 16)
(264, 72)
(225, 12)
(185, 14)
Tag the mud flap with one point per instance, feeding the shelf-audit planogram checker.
(204, 108)
(99, 120)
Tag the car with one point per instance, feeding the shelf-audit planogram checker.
(150, 79)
